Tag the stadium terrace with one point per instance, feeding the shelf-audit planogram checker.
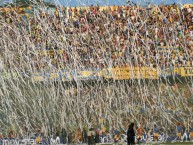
(140, 58)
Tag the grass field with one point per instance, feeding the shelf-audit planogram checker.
(179, 143)
(169, 143)
(175, 143)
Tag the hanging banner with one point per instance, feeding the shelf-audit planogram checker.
(10, 74)
(166, 49)
(38, 77)
(186, 71)
(151, 73)
(167, 72)
(137, 73)
(51, 52)
(67, 75)
(176, 71)
(131, 73)
(125, 73)
(116, 73)
(85, 75)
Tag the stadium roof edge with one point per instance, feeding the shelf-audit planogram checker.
(84, 7)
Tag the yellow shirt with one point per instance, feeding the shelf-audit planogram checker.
(104, 129)
(179, 134)
(191, 134)
(156, 134)
(38, 139)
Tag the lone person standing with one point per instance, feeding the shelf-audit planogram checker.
(131, 135)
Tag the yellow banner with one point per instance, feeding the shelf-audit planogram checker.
(137, 73)
(50, 52)
(187, 5)
(186, 71)
(117, 73)
(177, 71)
(54, 76)
(131, 73)
(152, 73)
(37, 77)
(166, 49)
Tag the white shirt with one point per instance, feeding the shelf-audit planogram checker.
(89, 133)
(1, 65)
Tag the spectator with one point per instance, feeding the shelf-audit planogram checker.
(69, 138)
(90, 136)
(179, 131)
(156, 132)
(63, 137)
(140, 131)
(97, 139)
(84, 136)
(131, 134)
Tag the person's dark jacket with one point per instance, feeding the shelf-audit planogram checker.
(70, 138)
(131, 134)
(63, 136)
(84, 136)
(97, 139)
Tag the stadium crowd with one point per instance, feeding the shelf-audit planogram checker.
(93, 136)
(103, 111)
(96, 37)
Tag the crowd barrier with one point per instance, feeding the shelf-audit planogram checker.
(125, 73)
(117, 73)
(131, 73)
(103, 140)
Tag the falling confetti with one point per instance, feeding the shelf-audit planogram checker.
(95, 66)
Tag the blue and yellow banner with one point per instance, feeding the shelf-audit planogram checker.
(131, 73)
(186, 71)
(166, 49)
(118, 73)
(68, 75)
(9, 74)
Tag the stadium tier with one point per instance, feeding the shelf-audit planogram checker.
(156, 38)
(103, 43)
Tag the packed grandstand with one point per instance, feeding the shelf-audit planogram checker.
(96, 38)
(99, 67)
